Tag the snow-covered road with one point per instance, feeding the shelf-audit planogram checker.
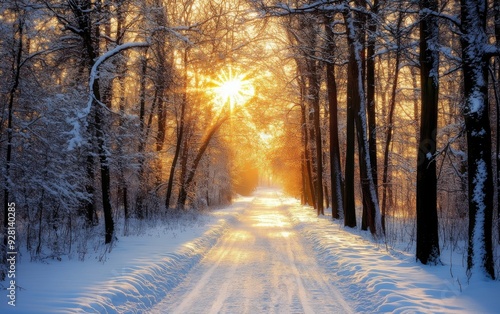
(263, 254)
(260, 265)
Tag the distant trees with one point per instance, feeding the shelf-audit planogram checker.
(383, 37)
(101, 115)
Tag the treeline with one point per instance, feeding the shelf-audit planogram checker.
(396, 109)
(108, 115)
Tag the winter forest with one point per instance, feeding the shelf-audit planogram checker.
(118, 115)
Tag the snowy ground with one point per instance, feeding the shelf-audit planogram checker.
(264, 254)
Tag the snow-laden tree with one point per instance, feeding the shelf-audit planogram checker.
(476, 52)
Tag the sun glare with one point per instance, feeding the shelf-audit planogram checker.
(232, 90)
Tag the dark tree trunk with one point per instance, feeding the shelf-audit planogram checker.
(477, 123)
(182, 197)
(427, 219)
(123, 182)
(314, 90)
(90, 207)
(162, 79)
(349, 200)
(105, 173)
(180, 135)
(357, 100)
(89, 43)
(303, 180)
(121, 67)
(335, 166)
(361, 26)
(310, 199)
(139, 208)
(181, 202)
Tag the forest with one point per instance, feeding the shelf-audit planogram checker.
(124, 113)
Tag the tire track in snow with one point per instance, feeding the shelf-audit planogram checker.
(193, 295)
(141, 287)
(260, 266)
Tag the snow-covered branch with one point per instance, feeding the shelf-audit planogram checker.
(94, 75)
(95, 68)
(454, 19)
(283, 9)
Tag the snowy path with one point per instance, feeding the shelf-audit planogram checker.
(263, 254)
(261, 265)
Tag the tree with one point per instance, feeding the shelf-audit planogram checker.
(335, 167)
(427, 221)
(17, 55)
(475, 57)
(392, 107)
(357, 103)
(81, 23)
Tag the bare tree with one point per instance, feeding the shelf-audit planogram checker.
(427, 220)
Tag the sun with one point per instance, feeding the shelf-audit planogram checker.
(231, 90)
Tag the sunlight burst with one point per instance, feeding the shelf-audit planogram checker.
(231, 90)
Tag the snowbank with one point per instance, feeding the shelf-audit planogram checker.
(376, 281)
(138, 272)
(144, 285)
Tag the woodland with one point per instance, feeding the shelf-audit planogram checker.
(117, 115)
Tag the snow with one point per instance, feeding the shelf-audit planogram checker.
(479, 251)
(263, 254)
(81, 116)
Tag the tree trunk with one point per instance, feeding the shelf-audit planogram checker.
(335, 167)
(356, 97)
(121, 69)
(105, 172)
(427, 220)
(314, 90)
(182, 197)
(90, 206)
(139, 208)
(89, 40)
(310, 199)
(180, 134)
(477, 123)
(349, 200)
(181, 202)
(392, 107)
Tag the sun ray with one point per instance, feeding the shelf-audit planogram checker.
(231, 90)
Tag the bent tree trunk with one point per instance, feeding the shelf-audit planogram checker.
(181, 200)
